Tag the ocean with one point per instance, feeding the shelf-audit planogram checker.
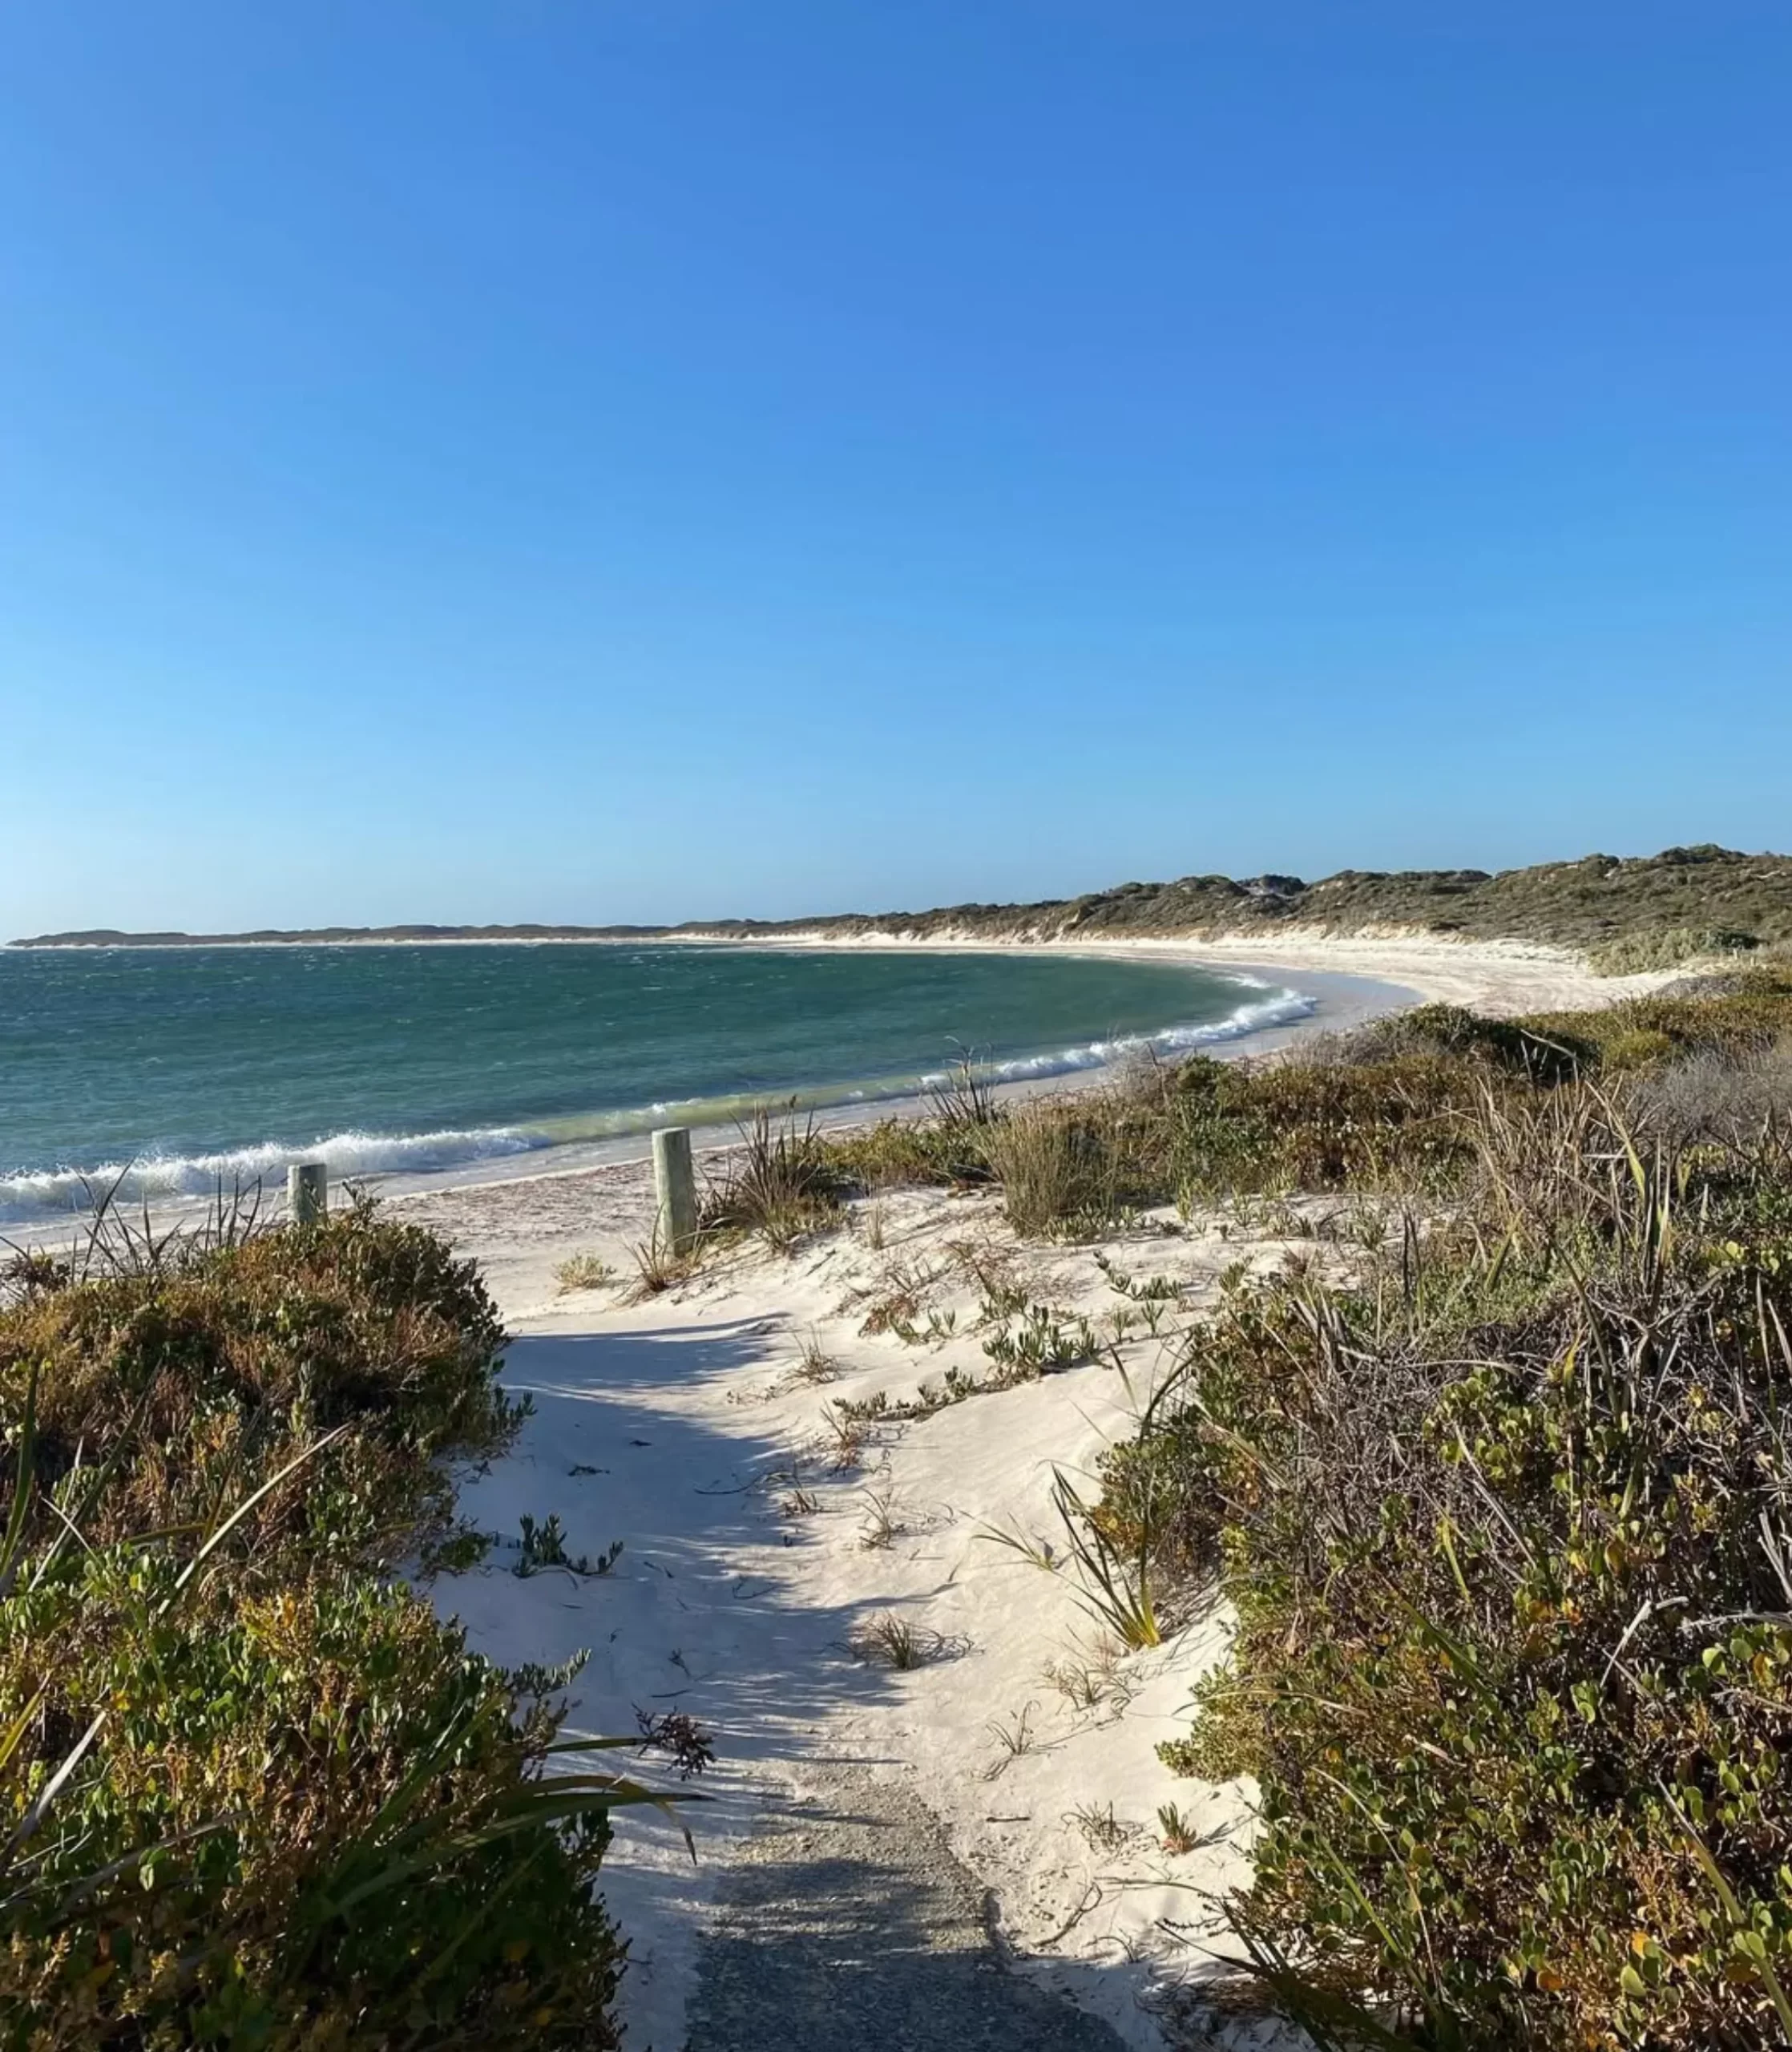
(179, 1069)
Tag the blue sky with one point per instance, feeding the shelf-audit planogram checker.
(639, 459)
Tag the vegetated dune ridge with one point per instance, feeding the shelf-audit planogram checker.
(1706, 897)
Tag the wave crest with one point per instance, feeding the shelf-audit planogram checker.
(34, 1192)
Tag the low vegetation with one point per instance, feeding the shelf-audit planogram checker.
(255, 1793)
(780, 1183)
(1503, 1520)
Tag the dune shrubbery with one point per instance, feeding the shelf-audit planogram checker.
(1506, 1521)
(253, 1793)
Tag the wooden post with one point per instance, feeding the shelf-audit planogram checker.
(307, 1193)
(675, 1182)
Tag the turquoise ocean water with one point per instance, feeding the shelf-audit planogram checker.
(189, 1065)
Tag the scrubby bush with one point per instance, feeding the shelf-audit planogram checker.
(251, 1795)
(1061, 1165)
(780, 1181)
(1505, 1044)
(1505, 1527)
(1321, 1125)
(200, 1383)
(1664, 947)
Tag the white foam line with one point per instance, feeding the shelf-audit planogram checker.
(32, 1192)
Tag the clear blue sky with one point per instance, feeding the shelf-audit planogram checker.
(641, 458)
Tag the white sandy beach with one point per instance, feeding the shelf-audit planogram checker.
(753, 1554)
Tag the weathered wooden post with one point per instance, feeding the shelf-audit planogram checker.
(307, 1193)
(675, 1183)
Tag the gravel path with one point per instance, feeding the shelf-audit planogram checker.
(846, 1925)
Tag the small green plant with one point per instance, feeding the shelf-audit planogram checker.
(1045, 1340)
(658, 1268)
(1151, 1289)
(779, 1183)
(1116, 1586)
(892, 1641)
(1036, 1553)
(585, 1271)
(843, 1436)
(1098, 1828)
(892, 1301)
(1083, 1685)
(814, 1363)
(1013, 1740)
(883, 1524)
(543, 1545)
(1175, 1833)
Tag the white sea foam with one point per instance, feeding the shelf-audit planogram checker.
(36, 1193)
(1276, 1008)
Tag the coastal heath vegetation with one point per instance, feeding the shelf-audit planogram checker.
(1503, 1519)
(254, 1791)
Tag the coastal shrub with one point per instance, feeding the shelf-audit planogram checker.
(1664, 947)
(1505, 1044)
(1321, 1125)
(1504, 1528)
(1708, 1097)
(189, 1387)
(897, 1153)
(780, 1181)
(1053, 1165)
(1752, 1010)
(1071, 1167)
(310, 1817)
(583, 1272)
(251, 1795)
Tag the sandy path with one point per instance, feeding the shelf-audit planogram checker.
(845, 1921)
(755, 1554)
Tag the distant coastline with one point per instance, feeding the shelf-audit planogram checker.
(1625, 914)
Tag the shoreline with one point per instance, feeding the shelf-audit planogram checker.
(1332, 1003)
(1348, 981)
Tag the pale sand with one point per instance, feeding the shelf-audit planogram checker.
(1491, 976)
(679, 1427)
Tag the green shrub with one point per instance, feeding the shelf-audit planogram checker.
(1748, 1015)
(1506, 1044)
(1504, 1529)
(255, 1796)
(780, 1183)
(1665, 948)
(1059, 1164)
(1637, 1049)
(339, 1788)
(1322, 1125)
(202, 1381)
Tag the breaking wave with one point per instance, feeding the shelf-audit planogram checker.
(36, 1193)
